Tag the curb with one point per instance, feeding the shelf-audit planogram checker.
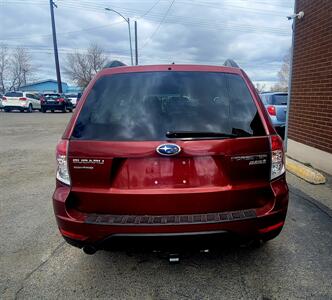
(300, 170)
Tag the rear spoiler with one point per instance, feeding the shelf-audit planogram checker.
(114, 63)
(231, 63)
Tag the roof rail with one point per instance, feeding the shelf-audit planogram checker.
(231, 63)
(114, 63)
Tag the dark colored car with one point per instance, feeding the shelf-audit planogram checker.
(169, 151)
(55, 101)
(276, 105)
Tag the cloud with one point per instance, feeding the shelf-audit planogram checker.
(255, 33)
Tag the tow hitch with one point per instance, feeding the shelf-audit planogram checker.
(173, 258)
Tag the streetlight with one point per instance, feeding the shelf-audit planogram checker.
(128, 22)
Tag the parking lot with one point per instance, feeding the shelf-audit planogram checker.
(35, 262)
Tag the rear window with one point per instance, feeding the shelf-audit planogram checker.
(14, 94)
(279, 99)
(144, 106)
(265, 98)
(53, 96)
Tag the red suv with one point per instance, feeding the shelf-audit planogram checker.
(169, 151)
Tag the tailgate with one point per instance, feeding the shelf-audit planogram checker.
(206, 176)
(13, 101)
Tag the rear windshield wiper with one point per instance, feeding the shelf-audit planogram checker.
(194, 134)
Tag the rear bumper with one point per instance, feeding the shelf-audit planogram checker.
(15, 107)
(82, 229)
(277, 123)
(53, 106)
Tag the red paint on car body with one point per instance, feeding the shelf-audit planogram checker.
(208, 176)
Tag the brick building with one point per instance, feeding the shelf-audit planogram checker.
(310, 115)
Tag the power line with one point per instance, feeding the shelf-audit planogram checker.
(185, 21)
(149, 10)
(195, 21)
(62, 33)
(24, 36)
(159, 25)
(93, 5)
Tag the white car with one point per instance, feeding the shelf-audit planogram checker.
(72, 98)
(22, 101)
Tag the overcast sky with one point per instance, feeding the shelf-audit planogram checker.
(255, 33)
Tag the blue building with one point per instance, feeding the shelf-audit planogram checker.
(48, 85)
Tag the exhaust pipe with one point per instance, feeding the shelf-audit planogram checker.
(89, 249)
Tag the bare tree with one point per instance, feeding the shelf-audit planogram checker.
(278, 88)
(260, 87)
(82, 67)
(283, 75)
(4, 66)
(20, 68)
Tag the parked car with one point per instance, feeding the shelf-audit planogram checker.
(73, 98)
(55, 101)
(22, 101)
(1, 107)
(169, 151)
(276, 105)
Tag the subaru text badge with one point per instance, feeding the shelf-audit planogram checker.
(168, 149)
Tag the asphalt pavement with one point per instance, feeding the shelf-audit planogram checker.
(35, 262)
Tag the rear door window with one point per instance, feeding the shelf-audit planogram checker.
(144, 106)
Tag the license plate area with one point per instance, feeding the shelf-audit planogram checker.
(168, 172)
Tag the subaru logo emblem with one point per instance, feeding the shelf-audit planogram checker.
(168, 149)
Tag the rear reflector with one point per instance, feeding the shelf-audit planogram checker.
(271, 109)
(72, 235)
(62, 172)
(271, 228)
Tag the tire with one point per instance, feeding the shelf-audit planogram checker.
(6, 109)
(70, 109)
(52, 110)
(64, 110)
(30, 108)
(43, 110)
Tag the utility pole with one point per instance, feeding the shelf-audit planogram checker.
(136, 47)
(55, 45)
(296, 16)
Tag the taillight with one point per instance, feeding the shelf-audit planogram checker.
(61, 100)
(23, 99)
(277, 156)
(271, 109)
(62, 172)
(4, 98)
